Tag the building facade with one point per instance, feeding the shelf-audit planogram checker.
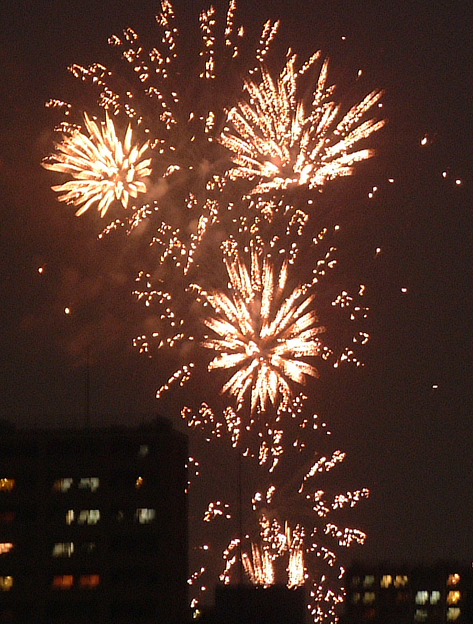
(389, 594)
(93, 525)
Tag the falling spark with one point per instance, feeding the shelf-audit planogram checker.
(103, 168)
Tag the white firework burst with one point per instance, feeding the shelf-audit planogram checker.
(103, 168)
(262, 333)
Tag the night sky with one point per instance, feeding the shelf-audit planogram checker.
(405, 419)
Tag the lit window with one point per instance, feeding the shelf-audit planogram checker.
(453, 597)
(144, 450)
(7, 485)
(369, 597)
(145, 516)
(63, 485)
(368, 580)
(89, 483)
(401, 580)
(435, 597)
(6, 583)
(356, 598)
(5, 547)
(420, 615)
(386, 581)
(422, 597)
(139, 482)
(453, 579)
(88, 516)
(355, 581)
(453, 613)
(63, 581)
(63, 549)
(89, 581)
(70, 516)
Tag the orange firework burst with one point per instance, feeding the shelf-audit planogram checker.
(279, 141)
(262, 333)
(103, 168)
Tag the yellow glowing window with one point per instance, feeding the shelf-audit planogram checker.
(368, 580)
(356, 598)
(401, 580)
(453, 597)
(70, 516)
(145, 516)
(63, 581)
(453, 613)
(89, 581)
(369, 597)
(63, 485)
(63, 549)
(89, 483)
(422, 597)
(7, 485)
(453, 579)
(5, 547)
(139, 482)
(386, 581)
(88, 516)
(435, 597)
(6, 583)
(421, 615)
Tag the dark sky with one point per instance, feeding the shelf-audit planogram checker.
(406, 418)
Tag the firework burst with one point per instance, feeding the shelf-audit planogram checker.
(280, 141)
(294, 529)
(216, 151)
(262, 333)
(104, 169)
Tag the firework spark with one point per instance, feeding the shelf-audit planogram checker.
(279, 141)
(104, 169)
(262, 333)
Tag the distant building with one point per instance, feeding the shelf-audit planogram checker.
(389, 594)
(249, 604)
(93, 525)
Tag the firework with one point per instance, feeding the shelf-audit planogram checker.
(222, 161)
(104, 169)
(280, 141)
(292, 532)
(262, 333)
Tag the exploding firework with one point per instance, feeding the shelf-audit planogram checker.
(221, 162)
(293, 532)
(262, 333)
(104, 169)
(280, 141)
